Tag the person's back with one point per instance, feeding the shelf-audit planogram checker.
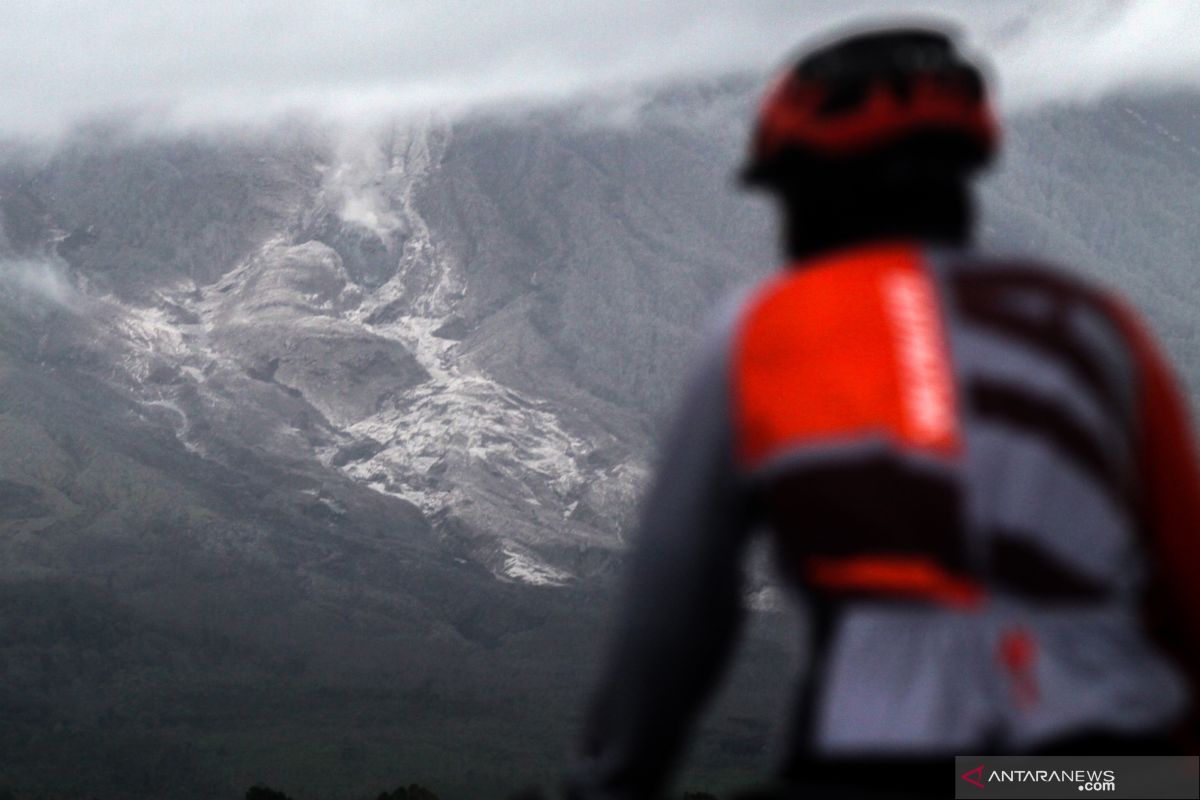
(977, 473)
(947, 452)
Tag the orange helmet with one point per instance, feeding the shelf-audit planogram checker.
(873, 98)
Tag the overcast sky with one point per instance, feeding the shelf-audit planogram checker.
(199, 61)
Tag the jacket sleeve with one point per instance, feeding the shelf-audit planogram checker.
(682, 608)
(1170, 498)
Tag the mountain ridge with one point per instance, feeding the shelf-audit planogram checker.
(366, 415)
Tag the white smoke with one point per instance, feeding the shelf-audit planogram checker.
(38, 281)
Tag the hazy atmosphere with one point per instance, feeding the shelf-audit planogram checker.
(175, 62)
(337, 343)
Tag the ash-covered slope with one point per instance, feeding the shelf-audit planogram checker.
(301, 433)
(481, 320)
(486, 320)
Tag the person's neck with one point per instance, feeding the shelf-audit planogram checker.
(842, 215)
(819, 250)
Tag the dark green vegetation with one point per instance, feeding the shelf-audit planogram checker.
(187, 616)
(99, 700)
(410, 792)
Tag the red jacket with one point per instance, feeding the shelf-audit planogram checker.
(980, 476)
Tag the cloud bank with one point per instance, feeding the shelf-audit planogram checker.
(179, 62)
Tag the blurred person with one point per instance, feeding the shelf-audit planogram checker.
(977, 474)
